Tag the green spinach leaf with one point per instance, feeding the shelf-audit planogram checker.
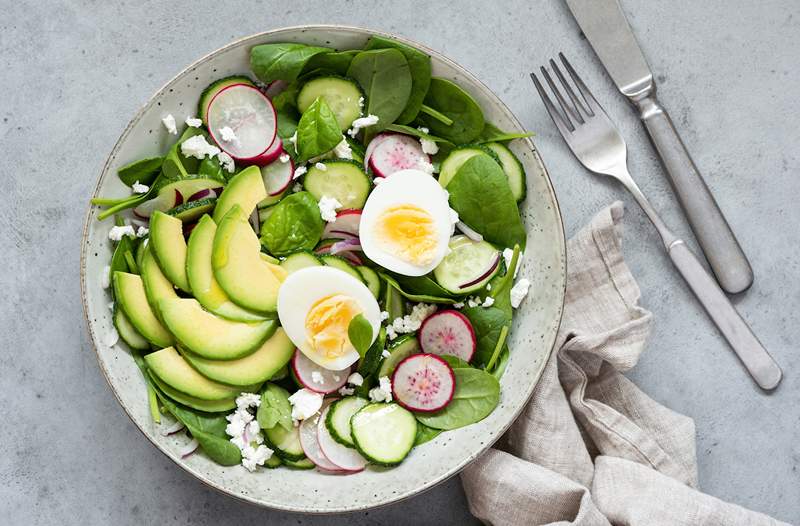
(211, 168)
(143, 170)
(488, 323)
(318, 131)
(420, 298)
(449, 99)
(419, 64)
(425, 434)
(275, 408)
(287, 99)
(393, 301)
(282, 61)
(385, 77)
(359, 331)
(492, 133)
(476, 395)
(372, 359)
(454, 361)
(481, 195)
(287, 122)
(335, 63)
(408, 130)
(213, 424)
(295, 224)
(220, 450)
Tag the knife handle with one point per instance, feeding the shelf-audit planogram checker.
(722, 250)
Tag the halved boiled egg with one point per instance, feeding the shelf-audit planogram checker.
(406, 224)
(315, 307)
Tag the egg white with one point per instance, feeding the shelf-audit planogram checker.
(406, 187)
(303, 288)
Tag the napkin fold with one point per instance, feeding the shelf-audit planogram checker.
(590, 448)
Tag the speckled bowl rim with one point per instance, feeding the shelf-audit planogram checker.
(311, 27)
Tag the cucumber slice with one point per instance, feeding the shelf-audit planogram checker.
(303, 463)
(342, 96)
(273, 462)
(384, 433)
(285, 443)
(215, 87)
(458, 157)
(128, 332)
(188, 212)
(341, 264)
(512, 168)
(264, 213)
(372, 280)
(402, 348)
(298, 260)
(338, 419)
(341, 179)
(468, 267)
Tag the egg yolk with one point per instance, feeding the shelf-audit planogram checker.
(327, 322)
(407, 232)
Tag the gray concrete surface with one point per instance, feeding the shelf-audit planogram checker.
(75, 71)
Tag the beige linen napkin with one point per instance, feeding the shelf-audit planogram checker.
(590, 448)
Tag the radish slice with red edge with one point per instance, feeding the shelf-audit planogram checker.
(347, 222)
(423, 383)
(448, 332)
(277, 176)
(273, 152)
(251, 117)
(310, 443)
(189, 448)
(377, 140)
(398, 152)
(275, 88)
(327, 381)
(346, 458)
(162, 202)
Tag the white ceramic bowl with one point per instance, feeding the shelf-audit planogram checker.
(533, 335)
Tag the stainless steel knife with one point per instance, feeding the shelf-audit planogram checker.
(610, 35)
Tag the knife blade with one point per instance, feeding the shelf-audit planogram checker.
(611, 37)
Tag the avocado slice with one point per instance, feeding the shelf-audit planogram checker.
(247, 278)
(201, 275)
(169, 248)
(245, 189)
(128, 333)
(173, 370)
(210, 336)
(254, 368)
(209, 406)
(156, 284)
(129, 291)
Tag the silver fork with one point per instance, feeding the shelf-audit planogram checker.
(598, 145)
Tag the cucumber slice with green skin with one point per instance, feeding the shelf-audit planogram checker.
(338, 418)
(273, 462)
(458, 157)
(130, 295)
(156, 284)
(169, 248)
(264, 213)
(285, 443)
(341, 179)
(174, 194)
(372, 280)
(346, 458)
(402, 348)
(298, 260)
(208, 406)
(343, 265)
(340, 94)
(192, 210)
(303, 463)
(215, 87)
(468, 267)
(512, 168)
(128, 332)
(384, 433)
(357, 150)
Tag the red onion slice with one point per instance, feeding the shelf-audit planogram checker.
(484, 274)
(346, 245)
(174, 428)
(467, 231)
(189, 448)
(202, 194)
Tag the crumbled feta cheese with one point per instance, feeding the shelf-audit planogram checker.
(169, 124)
(317, 377)
(458, 305)
(111, 306)
(111, 338)
(508, 255)
(382, 393)
(384, 315)
(362, 122)
(343, 150)
(337, 378)
(488, 286)
(248, 400)
(390, 332)
(252, 457)
(355, 379)
(299, 172)
(361, 102)
(378, 180)
(305, 404)
(139, 188)
(519, 291)
(105, 277)
(321, 167)
(193, 122)
(472, 301)
(198, 147)
(284, 158)
(116, 232)
(488, 301)
(297, 188)
(237, 422)
(227, 162)
(293, 139)
(142, 231)
(228, 135)
(412, 322)
(453, 217)
(426, 167)
(423, 129)
(428, 146)
(327, 208)
(245, 432)
(346, 391)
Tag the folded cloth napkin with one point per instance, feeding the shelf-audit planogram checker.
(590, 448)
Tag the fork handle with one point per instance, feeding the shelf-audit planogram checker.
(722, 250)
(745, 344)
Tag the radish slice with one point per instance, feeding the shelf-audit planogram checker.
(374, 143)
(249, 114)
(174, 428)
(162, 202)
(423, 383)
(346, 458)
(275, 88)
(448, 332)
(488, 271)
(190, 448)
(273, 152)
(310, 443)
(202, 194)
(347, 222)
(277, 175)
(397, 152)
(316, 378)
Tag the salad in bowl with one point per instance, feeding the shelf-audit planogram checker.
(320, 270)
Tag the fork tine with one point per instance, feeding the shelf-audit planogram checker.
(570, 92)
(591, 103)
(560, 98)
(563, 124)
